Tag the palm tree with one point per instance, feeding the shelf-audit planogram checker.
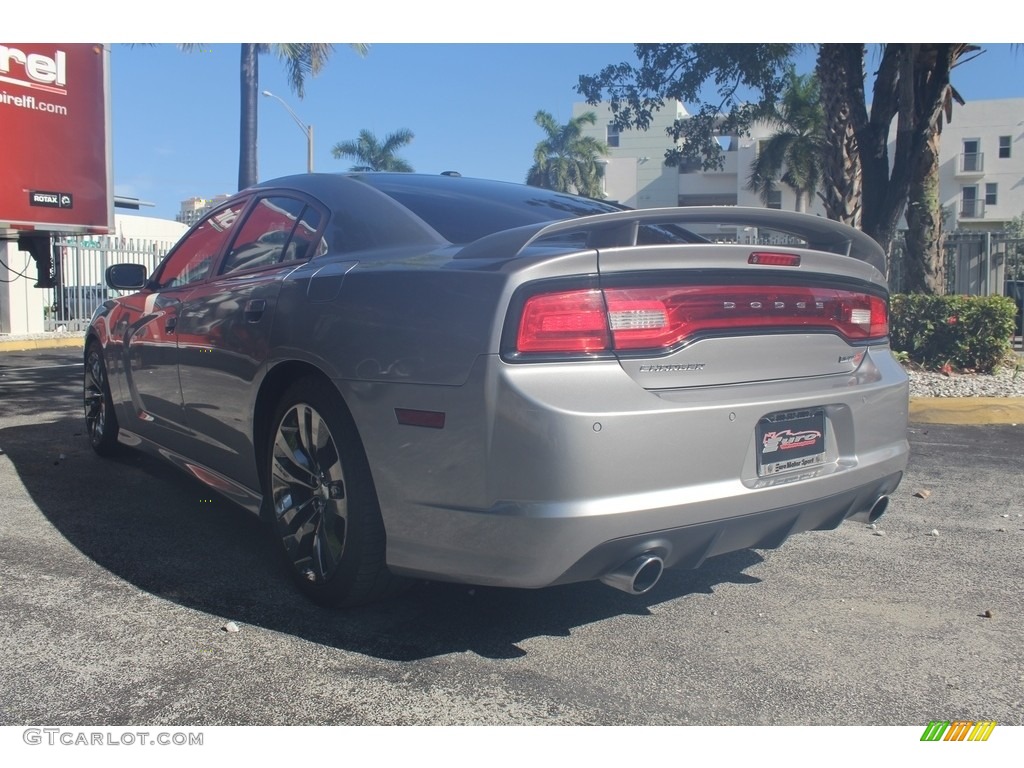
(796, 149)
(566, 160)
(374, 156)
(300, 60)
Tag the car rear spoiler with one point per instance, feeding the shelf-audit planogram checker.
(608, 230)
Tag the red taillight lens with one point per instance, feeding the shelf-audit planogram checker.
(659, 318)
(572, 321)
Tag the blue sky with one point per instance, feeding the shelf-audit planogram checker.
(470, 106)
(470, 100)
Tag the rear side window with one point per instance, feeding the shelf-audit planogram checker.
(190, 262)
(277, 229)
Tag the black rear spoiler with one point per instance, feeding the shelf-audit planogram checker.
(608, 230)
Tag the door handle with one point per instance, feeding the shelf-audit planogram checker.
(254, 309)
(170, 325)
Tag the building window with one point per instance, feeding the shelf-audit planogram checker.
(775, 199)
(611, 136)
(972, 160)
(1004, 146)
(970, 206)
(991, 194)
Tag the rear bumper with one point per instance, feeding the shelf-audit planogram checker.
(690, 545)
(540, 483)
(536, 545)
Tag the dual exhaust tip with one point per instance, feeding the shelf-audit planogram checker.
(636, 576)
(639, 575)
(874, 512)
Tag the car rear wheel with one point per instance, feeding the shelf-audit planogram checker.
(100, 420)
(322, 500)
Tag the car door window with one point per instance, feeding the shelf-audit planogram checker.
(277, 229)
(190, 262)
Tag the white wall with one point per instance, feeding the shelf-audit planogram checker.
(21, 305)
(147, 228)
(636, 174)
(985, 121)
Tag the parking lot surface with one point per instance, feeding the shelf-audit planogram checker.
(119, 576)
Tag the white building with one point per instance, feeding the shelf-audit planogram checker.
(194, 208)
(981, 174)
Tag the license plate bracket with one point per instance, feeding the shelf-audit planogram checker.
(790, 440)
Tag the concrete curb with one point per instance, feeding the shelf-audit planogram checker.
(55, 342)
(967, 410)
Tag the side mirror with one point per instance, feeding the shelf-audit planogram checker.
(126, 277)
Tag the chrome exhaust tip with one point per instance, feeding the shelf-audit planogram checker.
(876, 511)
(636, 576)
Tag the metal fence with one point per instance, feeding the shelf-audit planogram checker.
(79, 268)
(975, 264)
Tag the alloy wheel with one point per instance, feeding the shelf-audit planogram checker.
(308, 489)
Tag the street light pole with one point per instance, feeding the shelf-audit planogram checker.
(306, 129)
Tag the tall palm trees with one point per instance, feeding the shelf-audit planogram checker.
(796, 148)
(566, 160)
(371, 155)
(300, 60)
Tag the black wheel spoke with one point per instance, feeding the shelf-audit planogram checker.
(292, 465)
(329, 545)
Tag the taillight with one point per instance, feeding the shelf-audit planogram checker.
(570, 321)
(660, 318)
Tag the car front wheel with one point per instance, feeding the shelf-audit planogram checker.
(322, 500)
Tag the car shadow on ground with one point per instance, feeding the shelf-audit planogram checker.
(165, 533)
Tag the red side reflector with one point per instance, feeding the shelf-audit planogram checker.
(774, 259)
(412, 417)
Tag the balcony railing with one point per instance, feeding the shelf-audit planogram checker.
(971, 163)
(972, 209)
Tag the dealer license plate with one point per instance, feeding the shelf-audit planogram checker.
(790, 441)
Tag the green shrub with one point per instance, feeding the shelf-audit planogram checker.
(969, 333)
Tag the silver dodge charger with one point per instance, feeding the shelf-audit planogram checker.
(482, 382)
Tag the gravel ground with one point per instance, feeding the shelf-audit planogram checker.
(1007, 382)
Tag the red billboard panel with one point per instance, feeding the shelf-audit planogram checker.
(55, 164)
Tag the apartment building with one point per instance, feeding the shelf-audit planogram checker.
(981, 171)
(981, 177)
(194, 208)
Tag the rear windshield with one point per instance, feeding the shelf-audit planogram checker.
(463, 210)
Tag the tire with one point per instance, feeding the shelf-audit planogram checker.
(320, 498)
(100, 419)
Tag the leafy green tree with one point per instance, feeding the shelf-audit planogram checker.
(566, 160)
(301, 60)
(374, 156)
(862, 185)
(793, 154)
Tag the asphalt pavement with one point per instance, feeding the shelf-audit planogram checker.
(119, 576)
